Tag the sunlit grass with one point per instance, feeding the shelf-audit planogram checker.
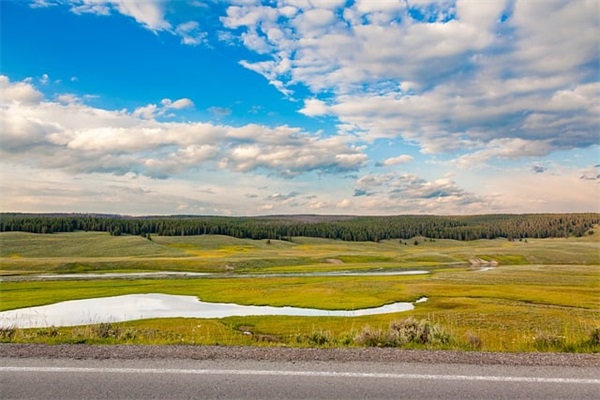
(543, 296)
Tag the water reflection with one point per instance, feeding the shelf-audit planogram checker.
(155, 305)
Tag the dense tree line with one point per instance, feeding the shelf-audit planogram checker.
(349, 228)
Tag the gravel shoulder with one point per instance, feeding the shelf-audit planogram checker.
(131, 352)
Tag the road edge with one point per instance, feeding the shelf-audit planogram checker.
(390, 355)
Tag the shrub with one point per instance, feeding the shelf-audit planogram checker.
(320, 338)
(403, 332)
(316, 338)
(129, 334)
(474, 340)
(6, 334)
(372, 337)
(48, 332)
(548, 341)
(410, 330)
(595, 336)
(106, 330)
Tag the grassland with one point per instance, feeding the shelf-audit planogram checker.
(544, 294)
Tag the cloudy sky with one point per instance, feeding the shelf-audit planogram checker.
(249, 107)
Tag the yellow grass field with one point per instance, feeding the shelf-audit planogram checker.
(543, 294)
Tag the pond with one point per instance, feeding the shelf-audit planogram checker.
(156, 305)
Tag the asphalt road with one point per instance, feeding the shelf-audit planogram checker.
(65, 378)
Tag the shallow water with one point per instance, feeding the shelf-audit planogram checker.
(155, 305)
(176, 274)
(160, 274)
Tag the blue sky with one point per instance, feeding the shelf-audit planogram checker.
(245, 107)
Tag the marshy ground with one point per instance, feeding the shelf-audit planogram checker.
(542, 295)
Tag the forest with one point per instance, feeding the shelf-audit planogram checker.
(343, 227)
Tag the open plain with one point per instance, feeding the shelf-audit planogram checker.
(490, 295)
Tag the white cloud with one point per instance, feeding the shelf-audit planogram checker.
(388, 6)
(41, 4)
(401, 159)
(484, 15)
(314, 108)
(152, 111)
(294, 155)
(466, 76)
(149, 13)
(177, 104)
(406, 193)
(505, 149)
(71, 136)
(485, 83)
(66, 98)
(146, 112)
(191, 34)
(556, 36)
(344, 203)
(21, 92)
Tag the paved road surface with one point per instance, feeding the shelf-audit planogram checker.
(64, 378)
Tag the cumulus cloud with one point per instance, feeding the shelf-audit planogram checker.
(18, 92)
(452, 77)
(401, 159)
(314, 108)
(149, 13)
(505, 149)
(406, 192)
(297, 154)
(177, 104)
(69, 135)
(412, 187)
(151, 111)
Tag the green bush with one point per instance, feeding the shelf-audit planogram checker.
(316, 338)
(6, 334)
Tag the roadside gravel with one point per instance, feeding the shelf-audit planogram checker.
(294, 354)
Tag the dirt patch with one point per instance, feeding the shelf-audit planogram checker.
(333, 261)
(477, 262)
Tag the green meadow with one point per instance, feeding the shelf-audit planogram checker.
(543, 295)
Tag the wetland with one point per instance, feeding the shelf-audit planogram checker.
(541, 296)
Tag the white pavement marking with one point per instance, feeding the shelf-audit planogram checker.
(323, 374)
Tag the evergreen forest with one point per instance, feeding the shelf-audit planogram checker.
(285, 227)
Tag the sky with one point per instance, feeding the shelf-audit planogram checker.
(249, 107)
